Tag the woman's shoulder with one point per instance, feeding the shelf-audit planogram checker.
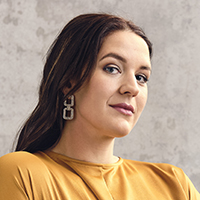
(18, 158)
(150, 166)
(20, 162)
(17, 154)
(23, 167)
(162, 172)
(156, 169)
(23, 174)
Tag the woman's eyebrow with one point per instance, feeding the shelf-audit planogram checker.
(118, 57)
(114, 55)
(146, 68)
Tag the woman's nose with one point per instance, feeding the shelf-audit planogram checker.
(129, 86)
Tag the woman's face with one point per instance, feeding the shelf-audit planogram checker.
(112, 101)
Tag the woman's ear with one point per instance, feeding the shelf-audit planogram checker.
(67, 88)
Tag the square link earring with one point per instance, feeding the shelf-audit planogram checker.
(68, 108)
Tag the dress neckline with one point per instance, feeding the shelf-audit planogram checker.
(60, 158)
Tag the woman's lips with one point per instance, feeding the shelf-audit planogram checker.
(124, 108)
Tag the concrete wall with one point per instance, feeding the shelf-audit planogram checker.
(168, 130)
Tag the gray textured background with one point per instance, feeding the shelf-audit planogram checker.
(168, 130)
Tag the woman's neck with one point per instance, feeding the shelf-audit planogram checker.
(85, 145)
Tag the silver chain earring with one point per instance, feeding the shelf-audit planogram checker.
(68, 108)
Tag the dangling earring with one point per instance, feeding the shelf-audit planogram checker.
(68, 108)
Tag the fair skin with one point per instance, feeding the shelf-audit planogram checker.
(109, 105)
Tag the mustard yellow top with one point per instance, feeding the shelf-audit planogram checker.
(51, 176)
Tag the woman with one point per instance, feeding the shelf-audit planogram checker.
(93, 90)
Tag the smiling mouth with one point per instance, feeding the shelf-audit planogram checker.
(124, 108)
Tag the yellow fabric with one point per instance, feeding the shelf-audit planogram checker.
(51, 176)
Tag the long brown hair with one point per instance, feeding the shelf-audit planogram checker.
(72, 56)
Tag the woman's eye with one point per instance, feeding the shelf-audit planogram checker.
(112, 70)
(141, 78)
